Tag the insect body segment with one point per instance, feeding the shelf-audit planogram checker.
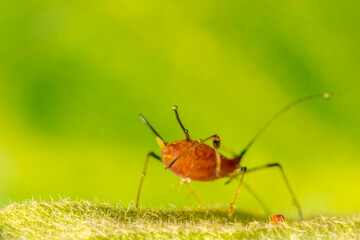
(196, 161)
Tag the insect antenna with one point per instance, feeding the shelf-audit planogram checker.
(175, 108)
(279, 113)
(158, 137)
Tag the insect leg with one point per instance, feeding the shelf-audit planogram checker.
(192, 190)
(247, 187)
(216, 144)
(258, 199)
(285, 180)
(150, 154)
(243, 171)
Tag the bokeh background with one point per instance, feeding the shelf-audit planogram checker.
(75, 75)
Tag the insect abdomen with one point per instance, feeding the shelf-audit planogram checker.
(197, 164)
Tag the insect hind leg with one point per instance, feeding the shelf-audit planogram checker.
(285, 180)
(257, 198)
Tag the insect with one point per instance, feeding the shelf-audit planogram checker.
(276, 218)
(193, 160)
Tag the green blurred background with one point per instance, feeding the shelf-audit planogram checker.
(75, 75)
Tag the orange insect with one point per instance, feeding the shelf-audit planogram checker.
(276, 218)
(194, 160)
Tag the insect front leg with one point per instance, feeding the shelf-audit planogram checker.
(150, 154)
